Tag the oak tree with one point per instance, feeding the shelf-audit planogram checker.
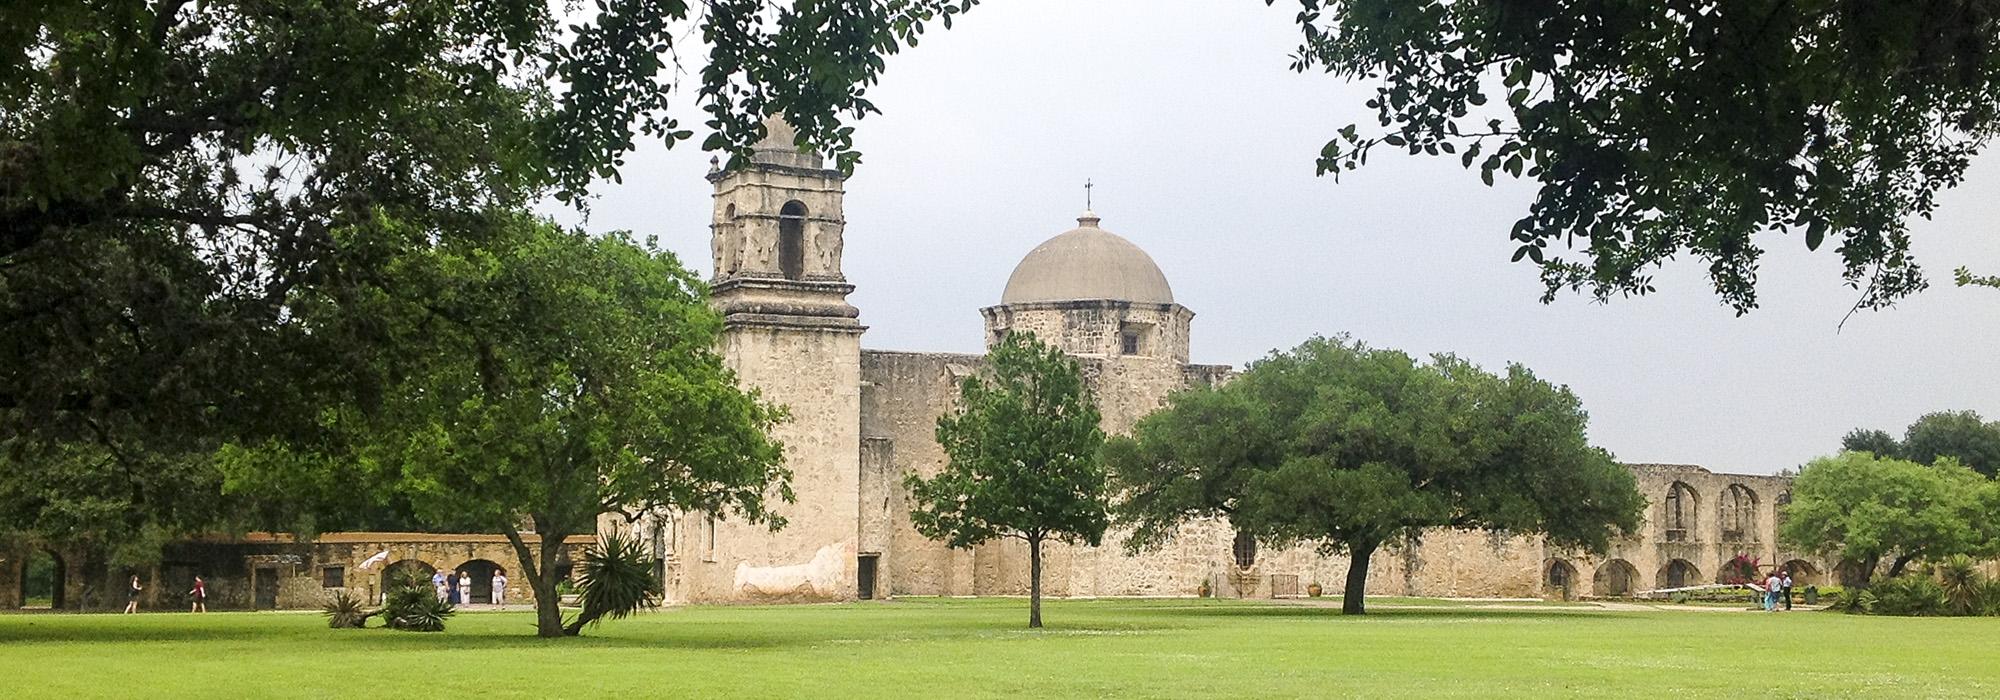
(1352, 448)
(1023, 444)
(1683, 127)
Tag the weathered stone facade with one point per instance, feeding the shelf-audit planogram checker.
(262, 571)
(864, 420)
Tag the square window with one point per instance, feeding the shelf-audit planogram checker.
(333, 577)
(1130, 344)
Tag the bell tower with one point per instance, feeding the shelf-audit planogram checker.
(789, 333)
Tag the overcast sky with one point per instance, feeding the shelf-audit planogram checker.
(1201, 143)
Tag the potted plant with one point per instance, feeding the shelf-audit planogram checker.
(1203, 590)
(1313, 589)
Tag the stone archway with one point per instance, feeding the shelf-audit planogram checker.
(1804, 573)
(481, 571)
(1615, 578)
(1559, 579)
(1679, 573)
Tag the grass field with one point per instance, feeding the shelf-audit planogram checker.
(924, 648)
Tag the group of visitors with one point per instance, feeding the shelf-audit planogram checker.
(1777, 589)
(199, 594)
(456, 589)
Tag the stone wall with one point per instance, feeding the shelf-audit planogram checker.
(1097, 327)
(815, 373)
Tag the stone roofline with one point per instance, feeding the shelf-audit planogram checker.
(382, 537)
(1076, 304)
(924, 353)
(1695, 469)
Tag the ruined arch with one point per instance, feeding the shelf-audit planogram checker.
(1679, 573)
(1804, 573)
(1678, 513)
(1559, 578)
(1737, 512)
(1614, 578)
(792, 240)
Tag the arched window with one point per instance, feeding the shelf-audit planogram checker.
(1679, 573)
(792, 240)
(1738, 511)
(1679, 512)
(1245, 550)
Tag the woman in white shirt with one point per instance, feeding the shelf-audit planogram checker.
(499, 586)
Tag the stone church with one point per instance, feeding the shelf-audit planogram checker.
(862, 419)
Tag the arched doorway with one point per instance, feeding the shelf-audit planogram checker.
(1679, 573)
(1804, 573)
(1614, 578)
(481, 571)
(1560, 578)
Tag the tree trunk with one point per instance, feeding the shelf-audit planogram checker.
(59, 579)
(1896, 569)
(539, 568)
(1034, 582)
(1352, 597)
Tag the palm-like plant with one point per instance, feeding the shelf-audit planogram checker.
(617, 580)
(414, 606)
(1964, 587)
(345, 611)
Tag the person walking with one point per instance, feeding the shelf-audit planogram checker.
(464, 588)
(199, 594)
(132, 596)
(1786, 578)
(499, 587)
(1772, 586)
(438, 584)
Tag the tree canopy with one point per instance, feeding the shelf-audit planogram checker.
(1860, 508)
(191, 191)
(1661, 129)
(530, 375)
(1352, 448)
(1023, 444)
(1960, 435)
(174, 175)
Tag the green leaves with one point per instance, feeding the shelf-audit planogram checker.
(1349, 447)
(1655, 130)
(1861, 508)
(1024, 447)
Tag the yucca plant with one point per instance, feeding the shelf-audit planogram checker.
(1854, 601)
(1964, 587)
(414, 606)
(346, 612)
(617, 580)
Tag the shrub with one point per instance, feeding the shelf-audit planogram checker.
(346, 612)
(1910, 595)
(414, 606)
(1989, 598)
(1740, 570)
(1963, 586)
(617, 580)
(1856, 601)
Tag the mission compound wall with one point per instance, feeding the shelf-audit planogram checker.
(864, 421)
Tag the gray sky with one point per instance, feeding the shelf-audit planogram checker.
(1201, 142)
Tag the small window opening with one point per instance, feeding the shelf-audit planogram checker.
(333, 577)
(792, 240)
(1245, 550)
(708, 547)
(1129, 343)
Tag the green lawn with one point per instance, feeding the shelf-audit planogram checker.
(923, 648)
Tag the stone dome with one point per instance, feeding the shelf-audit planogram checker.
(1087, 262)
